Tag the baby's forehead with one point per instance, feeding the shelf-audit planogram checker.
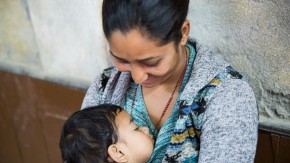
(123, 116)
(123, 111)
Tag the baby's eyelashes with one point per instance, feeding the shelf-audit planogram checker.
(137, 128)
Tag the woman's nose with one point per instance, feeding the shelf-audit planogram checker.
(138, 74)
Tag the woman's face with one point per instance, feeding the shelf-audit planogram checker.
(148, 63)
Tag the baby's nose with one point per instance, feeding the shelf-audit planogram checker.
(145, 129)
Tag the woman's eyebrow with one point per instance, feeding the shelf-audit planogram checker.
(116, 56)
(141, 60)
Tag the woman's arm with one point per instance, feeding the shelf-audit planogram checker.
(93, 95)
(230, 124)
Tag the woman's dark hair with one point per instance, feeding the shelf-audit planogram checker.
(87, 134)
(159, 20)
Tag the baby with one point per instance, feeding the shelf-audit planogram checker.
(104, 133)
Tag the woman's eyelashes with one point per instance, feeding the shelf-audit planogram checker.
(152, 64)
(147, 63)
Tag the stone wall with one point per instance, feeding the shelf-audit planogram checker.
(254, 36)
(62, 41)
(59, 40)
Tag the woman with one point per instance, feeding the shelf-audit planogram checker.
(195, 105)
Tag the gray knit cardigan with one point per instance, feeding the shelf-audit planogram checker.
(230, 122)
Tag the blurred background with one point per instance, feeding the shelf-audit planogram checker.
(51, 50)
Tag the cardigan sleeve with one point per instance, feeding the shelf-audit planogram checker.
(93, 94)
(230, 125)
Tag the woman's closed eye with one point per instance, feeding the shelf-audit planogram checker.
(152, 64)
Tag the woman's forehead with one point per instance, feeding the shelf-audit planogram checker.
(132, 43)
(132, 38)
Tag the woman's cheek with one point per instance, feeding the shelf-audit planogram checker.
(122, 67)
(160, 70)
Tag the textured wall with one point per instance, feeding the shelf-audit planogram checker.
(17, 41)
(254, 36)
(62, 40)
(59, 40)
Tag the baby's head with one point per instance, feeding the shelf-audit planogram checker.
(104, 133)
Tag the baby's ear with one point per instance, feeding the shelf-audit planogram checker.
(116, 154)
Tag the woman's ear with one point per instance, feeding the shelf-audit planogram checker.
(185, 29)
(116, 154)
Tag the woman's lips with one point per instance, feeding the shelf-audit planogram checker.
(148, 81)
(151, 81)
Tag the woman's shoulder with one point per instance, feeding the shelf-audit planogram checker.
(207, 64)
(109, 87)
(104, 77)
(95, 91)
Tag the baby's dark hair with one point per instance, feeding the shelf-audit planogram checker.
(87, 134)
